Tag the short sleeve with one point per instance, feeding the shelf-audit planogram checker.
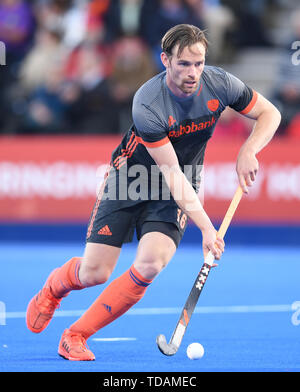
(149, 127)
(240, 97)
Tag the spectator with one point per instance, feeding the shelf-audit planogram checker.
(67, 16)
(16, 31)
(286, 94)
(75, 23)
(132, 65)
(219, 21)
(90, 106)
(46, 107)
(158, 16)
(46, 52)
(123, 17)
(95, 20)
(287, 100)
(50, 13)
(16, 28)
(250, 29)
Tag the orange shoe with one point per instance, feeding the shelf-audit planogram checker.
(72, 346)
(41, 308)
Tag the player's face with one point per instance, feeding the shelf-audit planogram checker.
(184, 72)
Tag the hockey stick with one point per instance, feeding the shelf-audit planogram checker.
(175, 341)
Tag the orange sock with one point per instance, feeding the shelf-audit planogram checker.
(65, 278)
(116, 299)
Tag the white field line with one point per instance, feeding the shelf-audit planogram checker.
(174, 310)
(113, 339)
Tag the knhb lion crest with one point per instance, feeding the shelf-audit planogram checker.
(213, 104)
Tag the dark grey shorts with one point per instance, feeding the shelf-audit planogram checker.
(117, 227)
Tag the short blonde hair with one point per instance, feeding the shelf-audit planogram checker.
(184, 35)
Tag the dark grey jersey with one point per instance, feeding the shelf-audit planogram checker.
(160, 117)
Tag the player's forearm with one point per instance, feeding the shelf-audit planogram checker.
(186, 197)
(263, 131)
(267, 122)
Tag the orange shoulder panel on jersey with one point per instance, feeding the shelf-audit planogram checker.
(132, 144)
(251, 103)
(159, 143)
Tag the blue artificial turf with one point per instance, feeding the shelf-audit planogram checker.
(249, 339)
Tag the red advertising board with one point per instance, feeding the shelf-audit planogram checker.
(51, 178)
(55, 179)
(275, 196)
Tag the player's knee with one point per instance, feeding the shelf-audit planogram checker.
(92, 275)
(150, 266)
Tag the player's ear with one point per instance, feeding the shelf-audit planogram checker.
(164, 59)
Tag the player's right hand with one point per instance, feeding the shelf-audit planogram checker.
(210, 242)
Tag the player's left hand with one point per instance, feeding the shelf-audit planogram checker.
(246, 168)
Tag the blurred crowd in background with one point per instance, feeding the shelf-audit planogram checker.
(73, 66)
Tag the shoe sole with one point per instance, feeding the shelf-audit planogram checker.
(28, 323)
(69, 358)
(29, 326)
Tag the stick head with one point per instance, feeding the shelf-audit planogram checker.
(166, 348)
